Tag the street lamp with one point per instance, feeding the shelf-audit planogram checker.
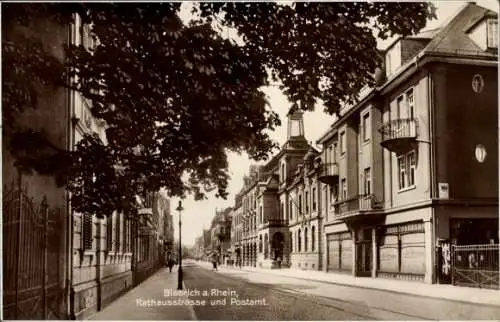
(179, 279)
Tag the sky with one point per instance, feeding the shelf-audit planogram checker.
(197, 215)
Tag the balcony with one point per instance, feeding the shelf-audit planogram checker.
(356, 205)
(329, 173)
(273, 223)
(399, 135)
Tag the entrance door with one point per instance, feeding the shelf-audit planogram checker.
(364, 253)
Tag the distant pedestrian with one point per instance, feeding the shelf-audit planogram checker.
(170, 264)
(214, 261)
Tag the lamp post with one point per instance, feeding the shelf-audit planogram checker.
(179, 279)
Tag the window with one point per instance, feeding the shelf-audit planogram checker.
(283, 172)
(305, 240)
(333, 193)
(87, 233)
(410, 104)
(402, 171)
(367, 181)
(329, 156)
(261, 212)
(407, 165)
(290, 213)
(313, 238)
(334, 156)
(343, 186)
(282, 211)
(299, 241)
(492, 30)
(109, 233)
(366, 128)
(118, 232)
(314, 199)
(400, 108)
(300, 205)
(411, 171)
(388, 63)
(342, 142)
(307, 202)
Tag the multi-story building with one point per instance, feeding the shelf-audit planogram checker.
(221, 234)
(207, 243)
(87, 260)
(237, 230)
(168, 230)
(35, 221)
(413, 165)
(305, 215)
(249, 212)
(150, 244)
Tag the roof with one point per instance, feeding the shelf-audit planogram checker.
(453, 38)
(425, 34)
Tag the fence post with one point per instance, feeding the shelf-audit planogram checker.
(18, 246)
(45, 210)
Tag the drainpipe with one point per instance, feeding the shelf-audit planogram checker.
(432, 174)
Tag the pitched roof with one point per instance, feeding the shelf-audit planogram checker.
(453, 38)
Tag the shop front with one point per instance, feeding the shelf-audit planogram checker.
(339, 250)
(401, 251)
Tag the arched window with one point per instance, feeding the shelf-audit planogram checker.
(299, 241)
(305, 240)
(266, 246)
(313, 238)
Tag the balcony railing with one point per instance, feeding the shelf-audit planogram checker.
(359, 203)
(329, 173)
(274, 222)
(399, 134)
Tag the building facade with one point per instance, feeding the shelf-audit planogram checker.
(237, 230)
(150, 243)
(35, 221)
(58, 263)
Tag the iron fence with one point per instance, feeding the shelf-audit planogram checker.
(32, 251)
(476, 265)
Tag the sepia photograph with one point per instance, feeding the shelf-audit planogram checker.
(250, 161)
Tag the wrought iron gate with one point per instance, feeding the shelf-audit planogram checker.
(476, 266)
(31, 257)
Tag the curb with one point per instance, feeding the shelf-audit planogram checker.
(192, 313)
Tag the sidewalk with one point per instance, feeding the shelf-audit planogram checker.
(440, 291)
(137, 303)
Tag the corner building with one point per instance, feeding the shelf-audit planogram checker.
(411, 171)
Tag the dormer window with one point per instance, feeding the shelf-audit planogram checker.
(484, 33)
(492, 32)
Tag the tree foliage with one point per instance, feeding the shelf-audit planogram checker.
(176, 97)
